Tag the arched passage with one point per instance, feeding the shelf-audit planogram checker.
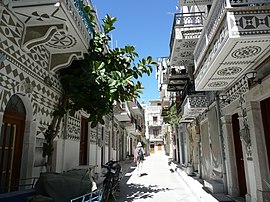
(11, 144)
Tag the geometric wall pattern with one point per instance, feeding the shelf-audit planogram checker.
(32, 68)
(74, 127)
(186, 32)
(62, 29)
(21, 67)
(194, 105)
(241, 41)
(26, 69)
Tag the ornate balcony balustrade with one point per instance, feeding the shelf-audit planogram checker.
(192, 106)
(186, 31)
(194, 2)
(177, 78)
(61, 27)
(177, 85)
(177, 73)
(236, 36)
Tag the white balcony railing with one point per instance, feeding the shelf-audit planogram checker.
(192, 106)
(194, 2)
(186, 31)
(235, 37)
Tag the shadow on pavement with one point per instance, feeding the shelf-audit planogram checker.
(143, 174)
(172, 171)
(138, 191)
(130, 192)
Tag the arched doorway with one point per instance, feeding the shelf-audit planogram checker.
(11, 143)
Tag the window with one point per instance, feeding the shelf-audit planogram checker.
(154, 120)
(155, 132)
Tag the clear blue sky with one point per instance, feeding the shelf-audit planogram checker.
(145, 24)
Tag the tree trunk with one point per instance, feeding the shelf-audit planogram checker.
(54, 127)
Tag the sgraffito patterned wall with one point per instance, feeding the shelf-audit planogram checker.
(74, 127)
(26, 73)
(21, 70)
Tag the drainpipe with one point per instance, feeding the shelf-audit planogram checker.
(221, 142)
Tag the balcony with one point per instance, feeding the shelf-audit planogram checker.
(154, 123)
(60, 29)
(133, 128)
(235, 37)
(165, 106)
(154, 138)
(136, 107)
(186, 31)
(121, 112)
(192, 2)
(177, 79)
(192, 106)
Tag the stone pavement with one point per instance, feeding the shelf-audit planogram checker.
(159, 182)
(199, 191)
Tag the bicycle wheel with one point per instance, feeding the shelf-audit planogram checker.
(106, 192)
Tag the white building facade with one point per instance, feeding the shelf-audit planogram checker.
(37, 39)
(154, 125)
(223, 46)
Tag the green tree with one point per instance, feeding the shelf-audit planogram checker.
(172, 115)
(104, 77)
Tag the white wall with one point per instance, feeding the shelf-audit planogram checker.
(71, 156)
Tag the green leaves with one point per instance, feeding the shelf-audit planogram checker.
(108, 22)
(104, 76)
(172, 115)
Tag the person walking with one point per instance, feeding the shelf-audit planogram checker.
(139, 157)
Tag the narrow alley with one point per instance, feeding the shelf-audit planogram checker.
(159, 182)
(85, 83)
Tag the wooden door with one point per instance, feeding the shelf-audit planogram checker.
(152, 148)
(11, 143)
(239, 156)
(83, 142)
(265, 110)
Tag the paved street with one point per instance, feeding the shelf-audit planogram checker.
(159, 182)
